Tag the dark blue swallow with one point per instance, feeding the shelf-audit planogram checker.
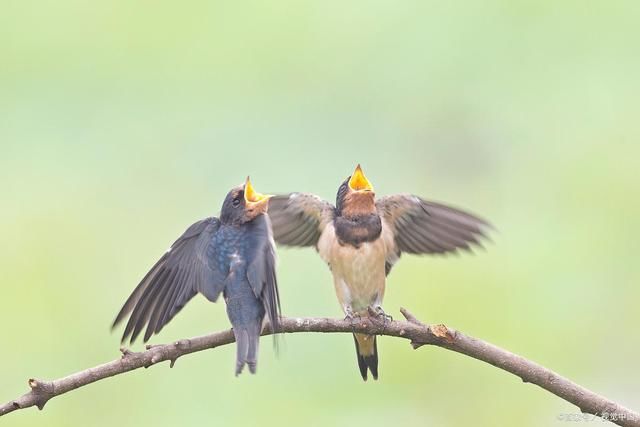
(233, 255)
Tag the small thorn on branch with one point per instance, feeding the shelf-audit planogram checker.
(410, 317)
(172, 362)
(125, 352)
(42, 390)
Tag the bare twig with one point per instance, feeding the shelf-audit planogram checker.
(418, 333)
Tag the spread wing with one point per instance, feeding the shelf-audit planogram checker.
(179, 274)
(261, 271)
(423, 227)
(299, 218)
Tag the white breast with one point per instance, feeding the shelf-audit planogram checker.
(358, 273)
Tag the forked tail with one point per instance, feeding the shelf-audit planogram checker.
(247, 341)
(367, 352)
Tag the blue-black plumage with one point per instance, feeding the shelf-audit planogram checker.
(233, 255)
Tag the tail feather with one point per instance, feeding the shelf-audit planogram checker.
(252, 354)
(242, 348)
(247, 340)
(367, 353)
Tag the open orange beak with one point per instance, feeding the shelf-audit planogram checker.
(359, 182)
(251, 197)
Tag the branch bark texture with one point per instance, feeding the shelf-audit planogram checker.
(416, 332)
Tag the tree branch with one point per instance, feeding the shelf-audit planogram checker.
(418, 333)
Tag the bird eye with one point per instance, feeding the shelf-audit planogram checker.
(236, 203)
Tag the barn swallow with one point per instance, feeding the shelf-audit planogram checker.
(233, 255)
(361, 238)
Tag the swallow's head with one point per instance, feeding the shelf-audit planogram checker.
(243, 204)
(356, 196)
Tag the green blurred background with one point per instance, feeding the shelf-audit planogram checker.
(121, 123)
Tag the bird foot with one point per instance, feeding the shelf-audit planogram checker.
(354, 318)
(377, 314)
